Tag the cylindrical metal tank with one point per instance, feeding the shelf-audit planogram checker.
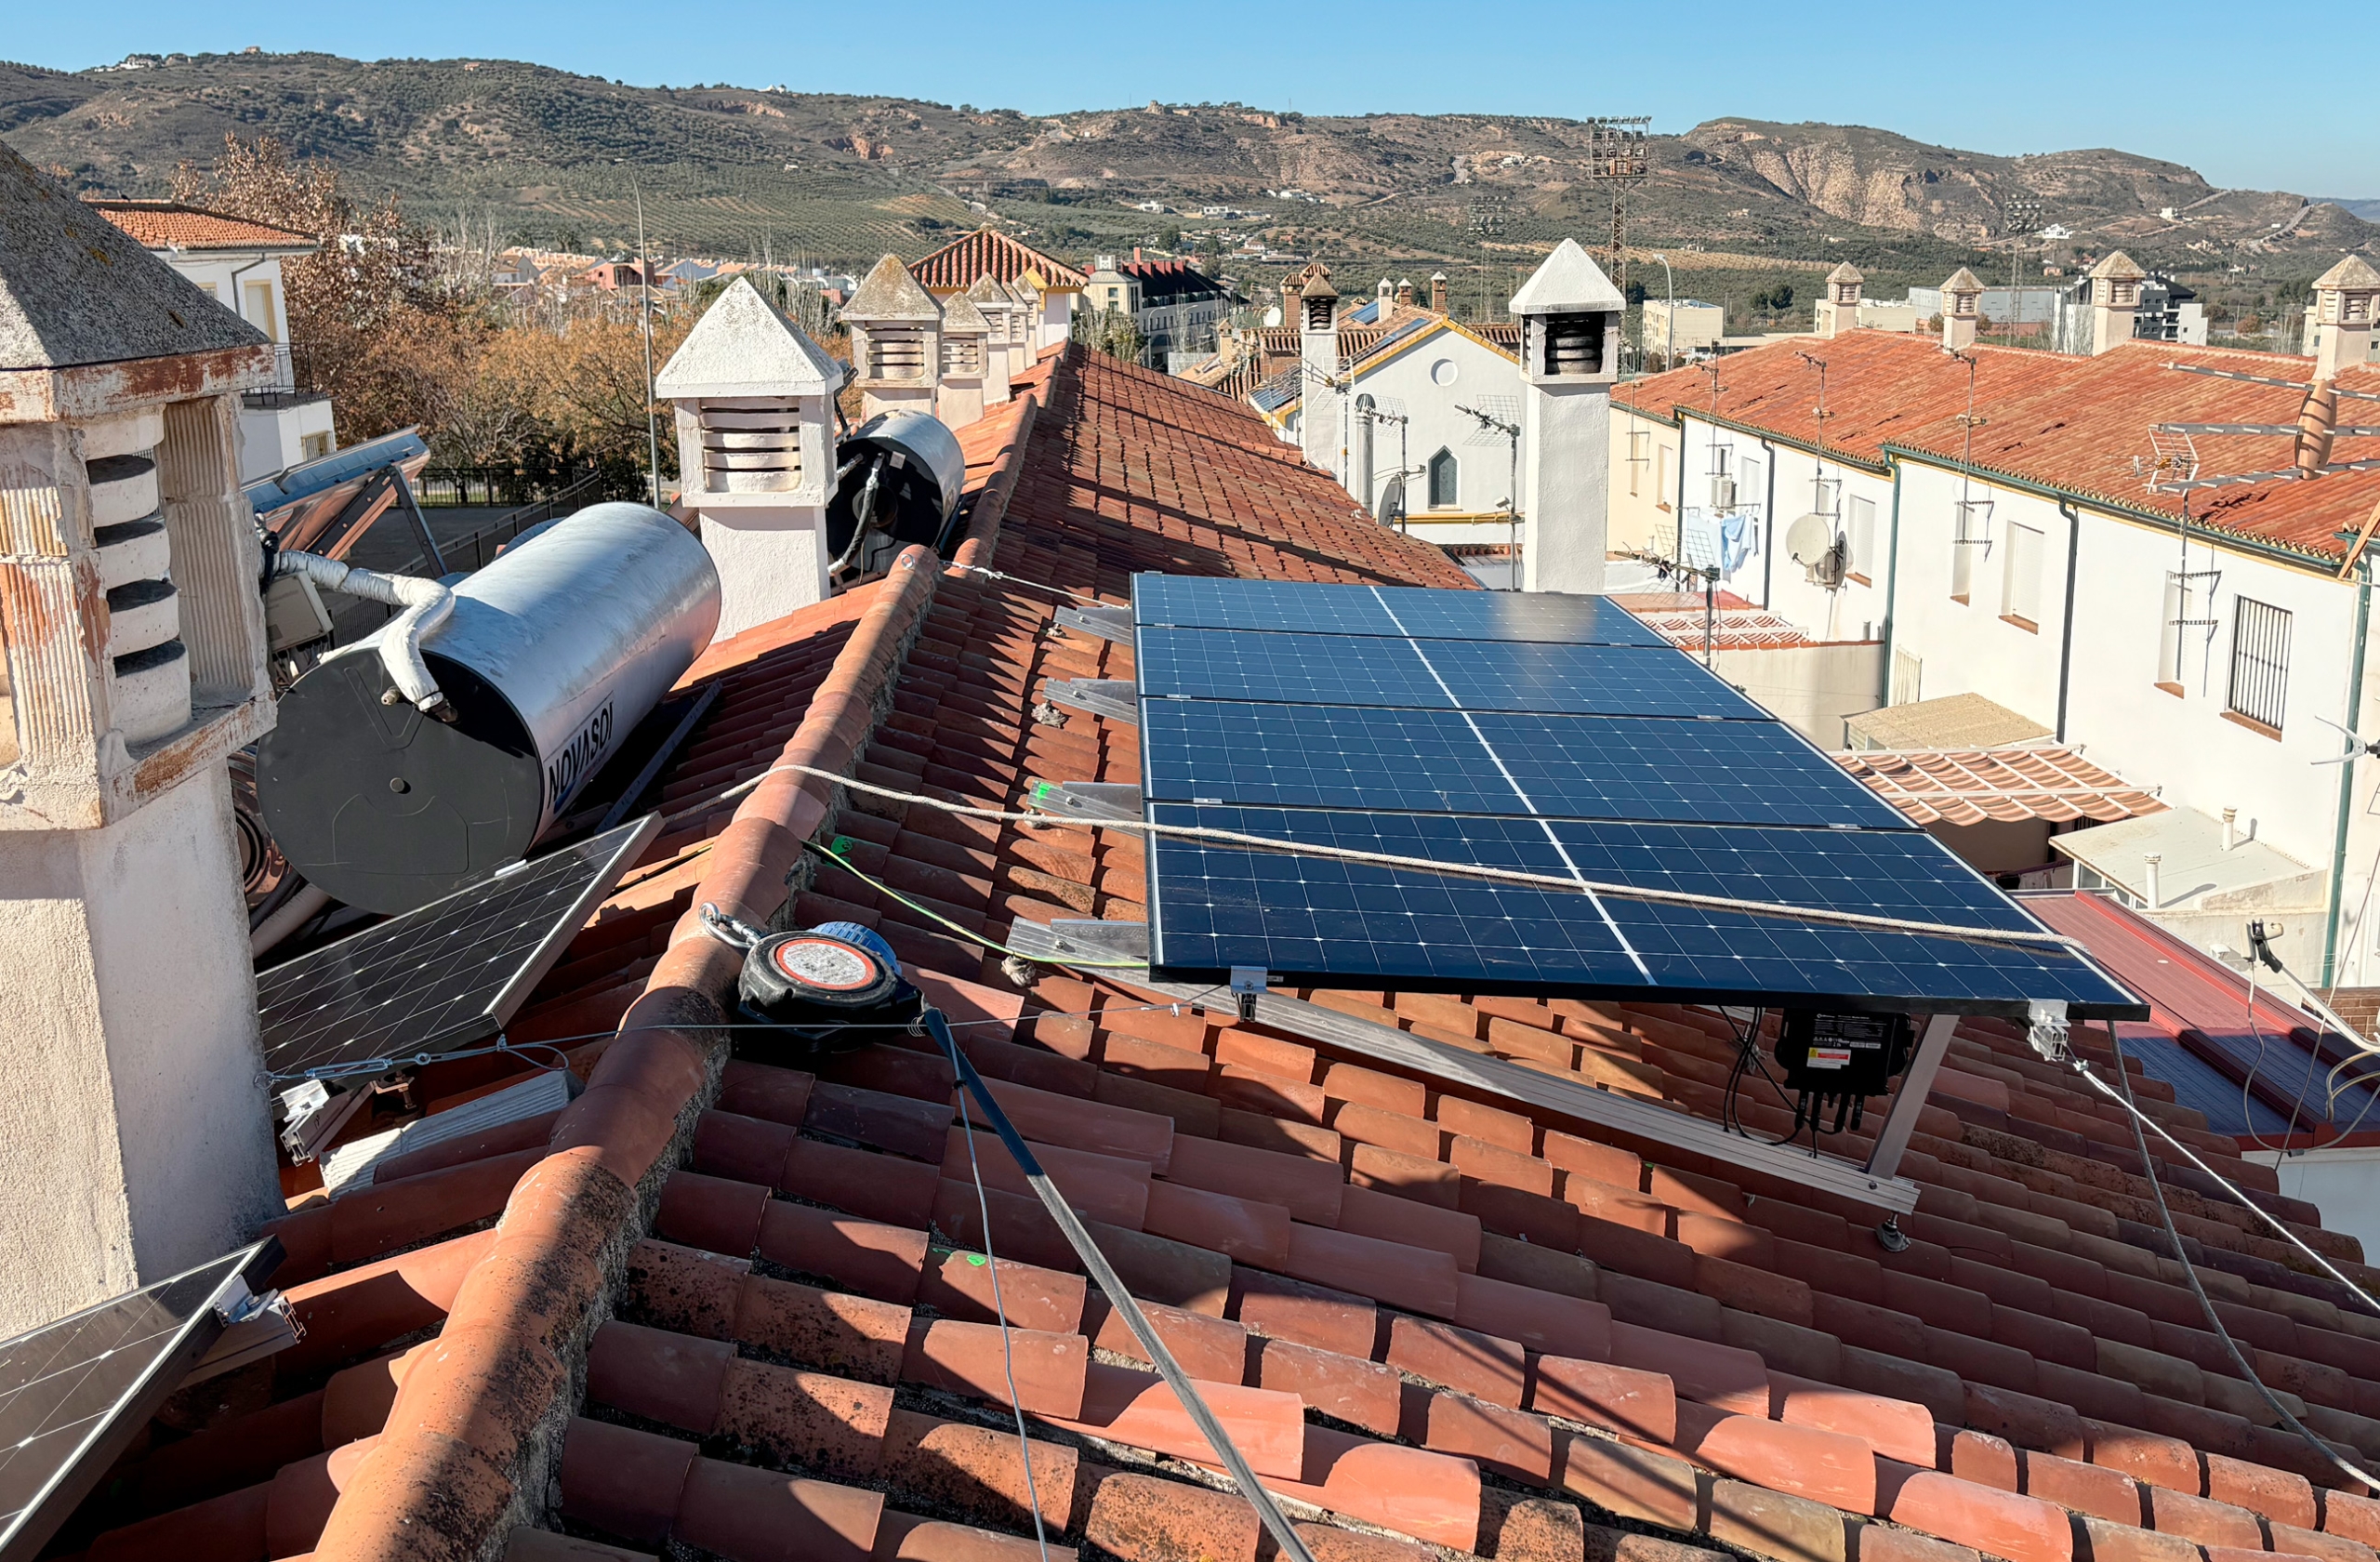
(902, 475)
(554, 653)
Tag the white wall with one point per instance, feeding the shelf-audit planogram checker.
(229, 276)
(273, 438)
(2345, 1184)
(1483, 473)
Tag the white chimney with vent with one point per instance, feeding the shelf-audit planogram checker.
(966, 337)
(754, 399)
(1006, 318)
(139, 1136)
(1962, 310)
(2115, 296)
(1386, 296)
(896, 340)
(1319, 435)
(1839, 311)
(1569, 314)
(2343, 308)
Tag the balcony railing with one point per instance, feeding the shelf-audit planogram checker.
(293, 380)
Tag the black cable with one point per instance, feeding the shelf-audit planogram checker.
(2189, 1270)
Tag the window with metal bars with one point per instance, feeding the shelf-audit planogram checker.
(2259, 662)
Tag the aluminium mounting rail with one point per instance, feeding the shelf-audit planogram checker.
(1875, 1185)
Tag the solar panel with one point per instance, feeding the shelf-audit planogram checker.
(1202, 603)
(1550, 735)
(445, 976)
(1451, 761)
(1425, 674)
(73, 1394)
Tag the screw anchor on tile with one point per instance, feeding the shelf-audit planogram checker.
(1890, 1236)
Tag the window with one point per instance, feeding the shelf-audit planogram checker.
(314, 447)
(1749, 492)
(1444, 479)
(1859, 532)
(1638, 439)
(1661, 477)
(259, 299)
(2260, 664)
(1970, 538)
(2020, 578)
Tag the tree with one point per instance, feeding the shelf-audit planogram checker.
(1780, 297)
(1113, 332)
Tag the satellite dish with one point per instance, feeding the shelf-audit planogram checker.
(1811, 543)
(1392, 502)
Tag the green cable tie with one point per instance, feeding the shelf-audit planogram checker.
(840, 846)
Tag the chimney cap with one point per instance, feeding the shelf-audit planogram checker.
(2116, 267)
(961, 318)
(990, 290)
(58, 256)
(744, 346)
(2353, 274)
(890, 292)
(1318, 286)
(1846, 272)
(1437, 276)
(1961, 281)
(1567, 283)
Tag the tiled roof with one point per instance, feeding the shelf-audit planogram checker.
(955, 265)
(1430, 1321)
(2073, 423)
(169, 225)
(1966, 786)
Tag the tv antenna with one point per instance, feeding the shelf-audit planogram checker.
(1499, 418)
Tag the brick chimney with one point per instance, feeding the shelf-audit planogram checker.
(1405, 293)
(1318, 318)
(1289, 305)
(1569, 314)
(754, 399)
(966, 339)
(2115, 295)
(1839, 311)
(896, 341)
(1961, 310)
(140, 1135)
(2343, 308)
(1439, 292)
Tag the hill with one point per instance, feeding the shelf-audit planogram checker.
(541, 155)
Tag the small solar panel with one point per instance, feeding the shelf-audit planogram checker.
(1552, 736)
(1452, 761)
(445, 976)
(74, 1393)
(1202, 603)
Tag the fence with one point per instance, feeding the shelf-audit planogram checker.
(474, 551)
(293, 380)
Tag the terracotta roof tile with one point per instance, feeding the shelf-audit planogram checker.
(987, 251)
(1966, 786)
(797, 1356)
(169, 225)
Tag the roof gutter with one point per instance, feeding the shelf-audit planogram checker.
(2347, 776)
(2065, 631)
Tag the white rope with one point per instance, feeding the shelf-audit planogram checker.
(1426, 865)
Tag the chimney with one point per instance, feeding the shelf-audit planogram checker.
(1961, 310)
(141, 1139)
(966, 337)
(1290, 306)
(896, 341)
(2343, 308)
(1000, 310)
(2152, 890)
(2231, 829)
(1439, 292)
(1318, 317)
(1360, 458)
(754, 399)
(1386, 296)
(1136, 254)
(2115, 293)
(1569, 314)
(1405, 293)
(1839, 311)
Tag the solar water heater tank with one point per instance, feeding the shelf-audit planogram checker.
(552, 656)
(900, 476)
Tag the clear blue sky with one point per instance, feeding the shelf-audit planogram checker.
(2189, 81)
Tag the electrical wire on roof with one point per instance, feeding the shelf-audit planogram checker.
(1035, 585)
(1292, 1545)
(2247, 1084)
(2189, 1271)
(960, 929)
(1419, 865)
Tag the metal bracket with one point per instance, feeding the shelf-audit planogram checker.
(1101, 622)
(1085, 938)
(2048, 1032)
(1115, 698)
(1085, 800)
(1246, 981)
(1892, 1140)
(313, 1114)
(255, 1326)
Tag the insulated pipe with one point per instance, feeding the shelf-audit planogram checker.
(425, 604)
(293, 914)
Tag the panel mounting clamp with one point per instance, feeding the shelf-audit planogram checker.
(1101, 622)
(1246, 981)
(1118, 699)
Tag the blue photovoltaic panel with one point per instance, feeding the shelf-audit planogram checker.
(1317, 920)
(1431, 674)
(1200, 602)
(1597, 767)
